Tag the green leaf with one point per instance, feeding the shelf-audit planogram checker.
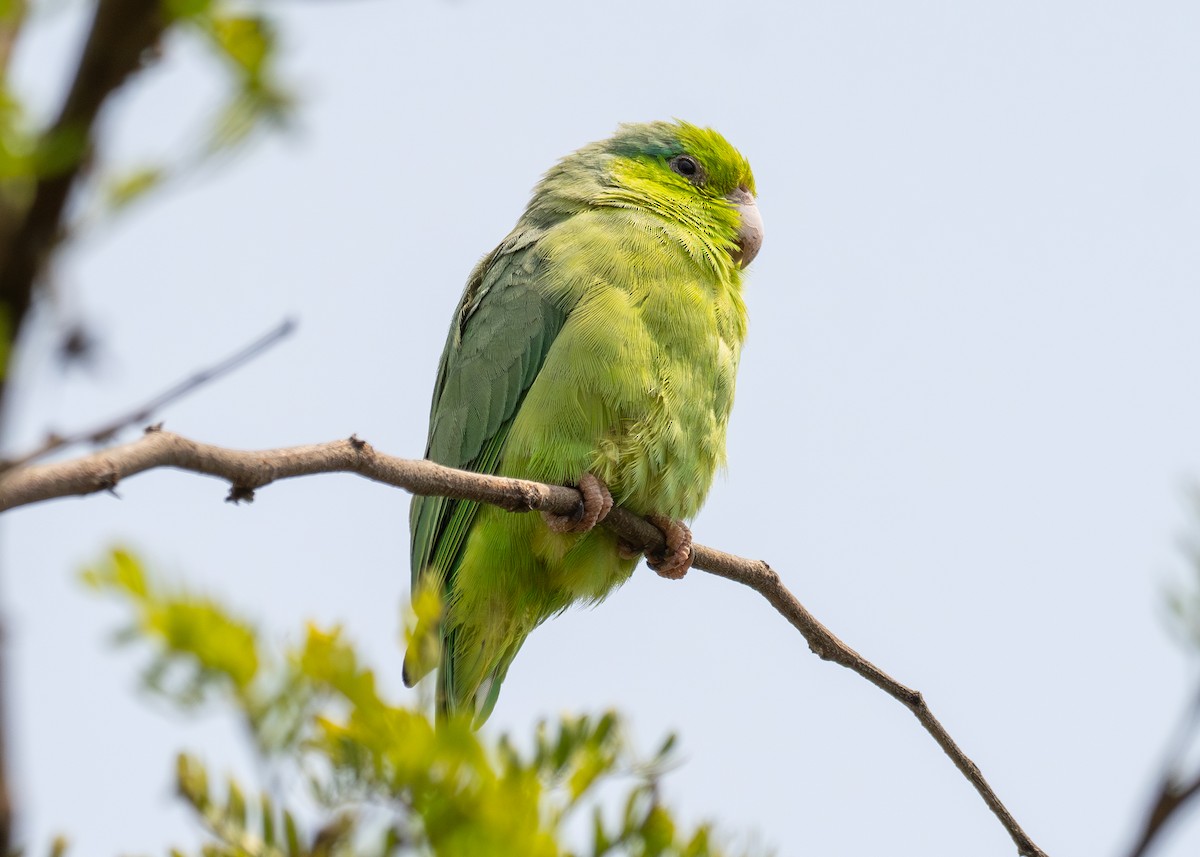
(123, 190)
(18, 146)
(658, 831)
(235, 807)
(184, 9)
(245, 112)
(248, 41)
(191, 781)
(601, 843)
(267, 809)
(291, 835)
(120, 572)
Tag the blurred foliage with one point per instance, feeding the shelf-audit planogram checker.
(6, 339)
(385, 779)
(123, 189)
(1184, 599)
(247, 45)
(17, 144)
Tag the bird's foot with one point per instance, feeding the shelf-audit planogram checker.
(596, 503)
(673, 561)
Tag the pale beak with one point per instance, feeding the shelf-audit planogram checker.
(750, 234)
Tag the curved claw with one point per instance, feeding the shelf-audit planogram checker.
(595, 505)
(674, 561)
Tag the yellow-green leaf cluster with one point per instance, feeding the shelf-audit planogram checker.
(195, 635)
(389, 780)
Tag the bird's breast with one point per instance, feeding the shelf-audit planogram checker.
(639, 384)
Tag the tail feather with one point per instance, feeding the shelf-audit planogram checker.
(446, 698)
(476, 702)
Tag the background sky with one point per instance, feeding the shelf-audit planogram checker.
(967, 413)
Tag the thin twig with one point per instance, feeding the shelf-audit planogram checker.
(248, 471)
(139, 415)
(1172, 796)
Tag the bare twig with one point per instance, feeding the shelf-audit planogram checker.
(139, 415)
(248, 471)
(1172, 796)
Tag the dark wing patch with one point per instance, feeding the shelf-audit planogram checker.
(501, 334)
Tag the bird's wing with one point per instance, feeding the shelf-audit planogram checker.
(498, 342)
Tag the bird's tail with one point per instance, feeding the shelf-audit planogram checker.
(458, 695)
(470, 670)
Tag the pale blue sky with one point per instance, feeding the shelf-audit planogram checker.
(966, 414)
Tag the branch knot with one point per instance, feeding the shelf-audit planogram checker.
(239, 494)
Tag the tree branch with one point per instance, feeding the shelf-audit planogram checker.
(121, 33)
(1174, 792)
(1172, 796)
(247, 471)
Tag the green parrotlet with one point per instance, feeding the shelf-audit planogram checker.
(596, 347)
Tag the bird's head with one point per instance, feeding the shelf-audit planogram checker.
(676, 170)
(690, 172)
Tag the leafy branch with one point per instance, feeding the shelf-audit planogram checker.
(121, 36)
(247, 471)
(40, 171)
(386, 780)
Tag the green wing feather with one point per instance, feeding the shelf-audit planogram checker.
(502, 331)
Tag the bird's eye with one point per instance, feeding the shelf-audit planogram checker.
(685, 165)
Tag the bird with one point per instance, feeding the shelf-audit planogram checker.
(596, 347)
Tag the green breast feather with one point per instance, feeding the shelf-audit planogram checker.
(601, 337)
